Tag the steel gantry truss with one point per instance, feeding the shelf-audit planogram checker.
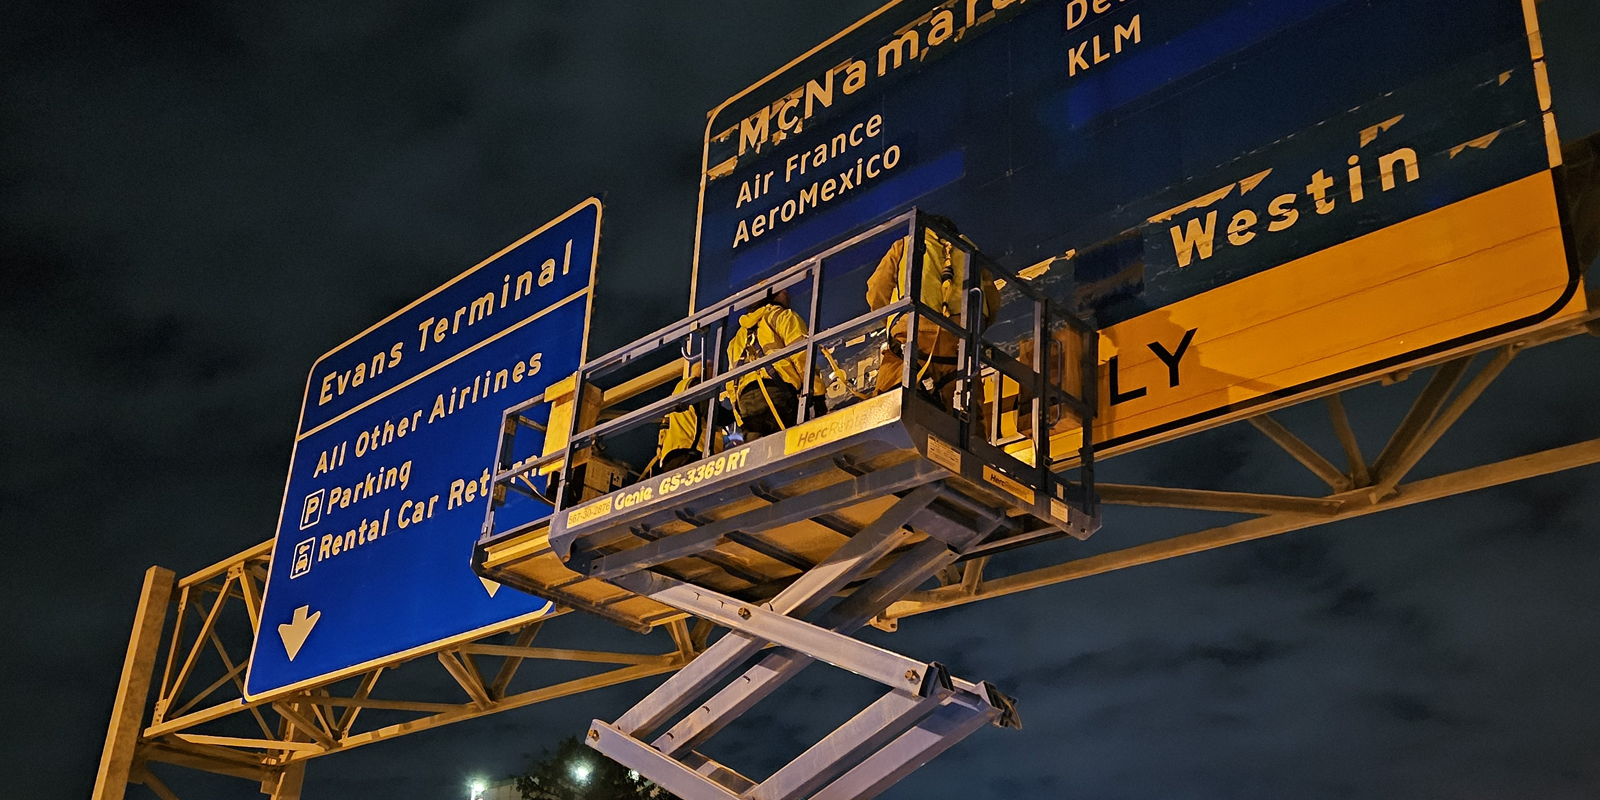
(199, 720)
(1360, 489)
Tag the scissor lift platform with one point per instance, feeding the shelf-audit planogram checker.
(750, 521)
(796, 540)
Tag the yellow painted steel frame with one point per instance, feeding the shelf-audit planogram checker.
(200, 719)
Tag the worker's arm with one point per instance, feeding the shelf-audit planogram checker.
(790, 329)
(881, 286)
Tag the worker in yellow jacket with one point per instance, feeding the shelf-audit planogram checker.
(766, 401)
(944, 269)
(678, 440)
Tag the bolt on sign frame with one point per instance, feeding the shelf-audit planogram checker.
(1253, 201)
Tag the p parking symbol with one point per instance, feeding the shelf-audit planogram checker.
(311, 512)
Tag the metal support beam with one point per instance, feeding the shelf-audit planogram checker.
(1301, 451)
(249, 744)
(238, 682)
(972, 574)
(250, 594)
(559, 654)
(201, 638)
(854, 557)
(170, 754)
(286, 784)
(227, 677)
(1237, 502)
(304, 724)
(154, 784)
(521, 700)
(217, 755)
(164, 694)
(363, 692)
(867, 732)
(204, 715)
(760, 681)
(1532, 466)
(898, 478)
(388, 705)
(674, 776)
(466, 673)
(133, 688)
(1434, 394)
(1347, 441)
(508, 668)
(937, 733)
(679, 629)
(718, 773)
(893, 670)
(1418, 445)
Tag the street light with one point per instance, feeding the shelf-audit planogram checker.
(477, 790)
(581, 772)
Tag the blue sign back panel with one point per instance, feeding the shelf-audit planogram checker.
(397, 437)
(1061, 129)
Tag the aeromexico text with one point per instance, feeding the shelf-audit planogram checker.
(856, 156)
(830, 171)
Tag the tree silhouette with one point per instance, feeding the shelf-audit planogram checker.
(575, 772)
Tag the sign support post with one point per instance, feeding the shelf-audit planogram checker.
(133, 689)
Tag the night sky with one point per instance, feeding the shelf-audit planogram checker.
(197, 199)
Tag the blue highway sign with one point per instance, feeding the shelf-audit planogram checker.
(1252, 198)
(397, 437)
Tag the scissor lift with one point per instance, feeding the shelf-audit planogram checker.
(796, 540)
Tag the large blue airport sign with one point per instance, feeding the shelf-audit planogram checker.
(1251, 198)
(392, 459)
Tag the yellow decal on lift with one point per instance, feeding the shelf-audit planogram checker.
(944, 455)
(1060, 510)
(588, 513)
(700, 472)
(839, 424)
(1009, 484)
(645, 493)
